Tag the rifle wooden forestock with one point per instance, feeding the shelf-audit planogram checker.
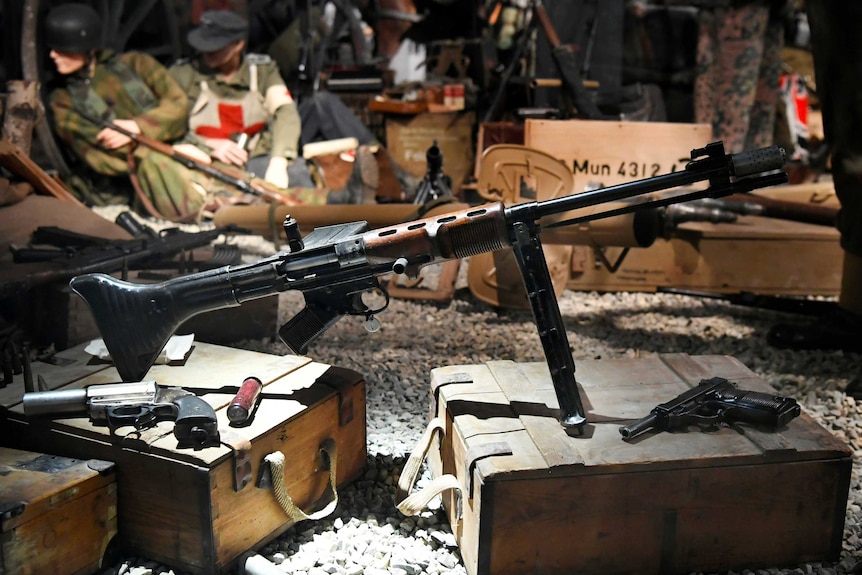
(452, 235)
(231, 176)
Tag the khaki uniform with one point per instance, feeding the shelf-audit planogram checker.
(255, 102)
(130, 86)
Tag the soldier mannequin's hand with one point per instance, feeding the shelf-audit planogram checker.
(276, 172)
(227, 151)
(111, 140)
(193, 152)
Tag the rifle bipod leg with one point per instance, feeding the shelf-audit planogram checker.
(552, 333)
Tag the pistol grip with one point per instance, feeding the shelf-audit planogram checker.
(196, 425)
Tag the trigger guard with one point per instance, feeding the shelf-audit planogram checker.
(127, 414)
(138, 416)
(359, 306)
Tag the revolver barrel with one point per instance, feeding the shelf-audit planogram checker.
(94, 400)
(63, 401)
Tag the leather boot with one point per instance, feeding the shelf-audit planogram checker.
(854, 389)
(839, 330)
(361, 186)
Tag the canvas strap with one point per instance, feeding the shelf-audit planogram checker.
(276, 464)
(412, 503)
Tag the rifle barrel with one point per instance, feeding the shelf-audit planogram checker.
(739, 165)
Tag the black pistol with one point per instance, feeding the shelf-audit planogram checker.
(715, 401)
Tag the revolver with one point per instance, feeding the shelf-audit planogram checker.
(712, 402)
(141, 405)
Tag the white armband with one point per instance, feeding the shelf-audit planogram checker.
(276, 97)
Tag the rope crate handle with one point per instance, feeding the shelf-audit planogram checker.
(411, 504)
(276, 462)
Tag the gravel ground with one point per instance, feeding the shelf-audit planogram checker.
(366, 535)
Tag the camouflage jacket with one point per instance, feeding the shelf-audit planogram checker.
(153, 99)
(281, 136)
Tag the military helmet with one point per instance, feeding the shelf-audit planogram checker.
(73, 28)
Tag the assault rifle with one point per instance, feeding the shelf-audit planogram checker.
(79, 254)
(242, 181)
(335, 265)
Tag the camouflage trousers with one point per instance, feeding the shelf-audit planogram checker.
(178, 193)
(738, 70)
(168, 188)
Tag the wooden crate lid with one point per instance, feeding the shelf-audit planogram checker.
(31, 484)
(289, 391)
(506, 413)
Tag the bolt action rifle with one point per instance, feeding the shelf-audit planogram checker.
(335, 265)
(242, 181)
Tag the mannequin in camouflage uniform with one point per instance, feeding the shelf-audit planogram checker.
(241, 113)
(738, 70)
(131, 90)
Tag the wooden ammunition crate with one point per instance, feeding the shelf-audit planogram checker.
(538, 501)
(409, 137)
(759, 255)
(57, 515)
(768, 256)
(199, 510)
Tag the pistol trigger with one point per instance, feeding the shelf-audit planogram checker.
(146, 419)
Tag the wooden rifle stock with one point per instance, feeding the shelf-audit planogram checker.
(13, 158)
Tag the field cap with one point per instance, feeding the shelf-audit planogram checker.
(217, 29)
